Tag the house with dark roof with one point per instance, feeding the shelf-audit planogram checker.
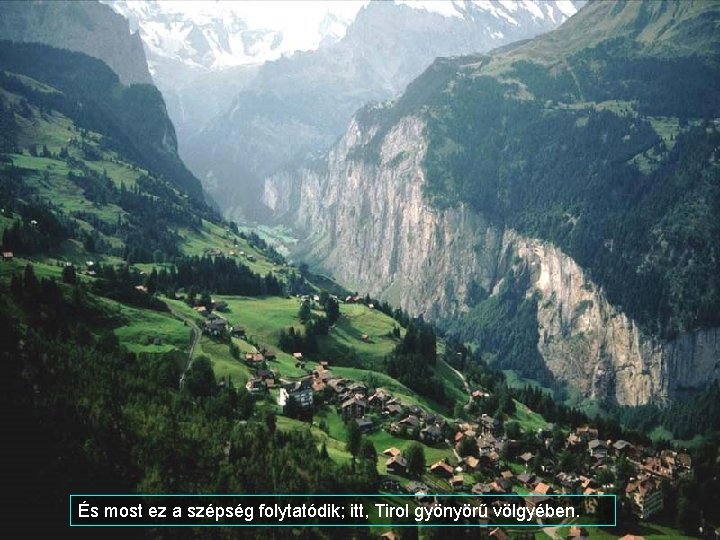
(301, 391)
(354, 407)
(431, 434)
(392, 410)
(364, 424)
(396, 465)
(489, 425)
(598, 449)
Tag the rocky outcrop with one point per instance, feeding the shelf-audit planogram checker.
(370, 226)
(87, 27)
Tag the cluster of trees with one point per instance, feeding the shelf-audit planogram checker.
(504, 327)
(684, 418)
(119, 284)
(413, 360)
(305, 341)
(292, 340)
(331, 307)
(220, 275)
(8, 126)
(259, 243)
(38, 230)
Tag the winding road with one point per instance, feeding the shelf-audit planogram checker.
(463, 379)
(197, 333)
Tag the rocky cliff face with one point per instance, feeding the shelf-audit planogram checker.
(370, 226)
(87, 27)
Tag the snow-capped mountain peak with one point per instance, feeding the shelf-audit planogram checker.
(220, 34)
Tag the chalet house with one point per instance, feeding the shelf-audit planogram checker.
(7, 255)
(431, 434)
(392, 452)
(323, 374)
(338, 385)
(572, 441)
(237, 331)
(472, 463)
(410, 422)
(269, 354)
(526, 458)
(255, 385)
(684, 460)
(656, 466)
(254, 358)
(379, 399)
(526, 479)
(354, 408)
(486, 443)
(392, 409)
(587, 433)
(220, 305)
(598, 449)
(489, 425)
(390, 484)
(215, 326)
(677, 463)
(364, 424)
(541, 488)
(417, 487)
(202, 310)
(396, 465)
(300, 391)
(569, 482)
(441, 469)
(460, 435)
(481, 489)
(457, 481)
(358, 388)
(621, 447)
(645, 497)
(502, 485)
(489, 461)
(431, 418)
(267, 376)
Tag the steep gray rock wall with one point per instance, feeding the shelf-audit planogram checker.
(369, 225)
(86, 27)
